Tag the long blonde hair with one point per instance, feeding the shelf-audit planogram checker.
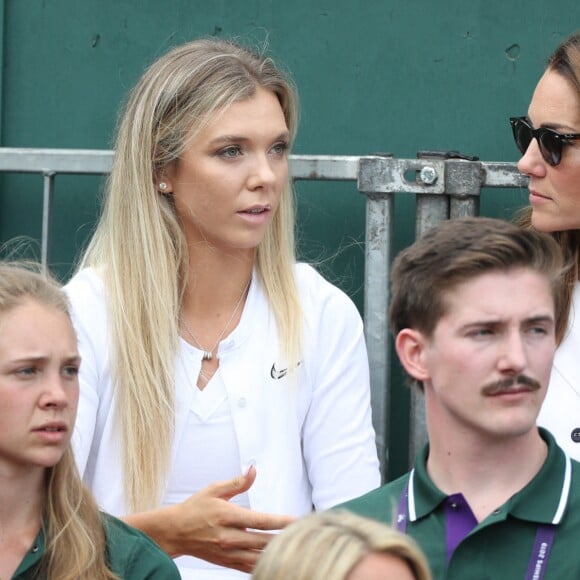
(140, 248)
(74, 533)
(565, 60)
(330, 544)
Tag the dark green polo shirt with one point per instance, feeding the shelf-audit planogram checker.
(499, 547)
(130, 554)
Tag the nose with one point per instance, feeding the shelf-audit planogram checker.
(56, 393)
(262, 174)
(513, 357)
(532, 163)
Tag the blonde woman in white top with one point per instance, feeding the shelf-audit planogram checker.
(208, 352)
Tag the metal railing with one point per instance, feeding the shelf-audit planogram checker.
(447, 185)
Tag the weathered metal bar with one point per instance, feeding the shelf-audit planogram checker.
(319, 167)
(47, 199)
(79, 161)
(378, 254)
(502, 174)
(324, 167)
(431, 209)
(86, 161)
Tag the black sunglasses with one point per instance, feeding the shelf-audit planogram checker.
(550, 142)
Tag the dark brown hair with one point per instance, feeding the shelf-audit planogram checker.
(457, 251)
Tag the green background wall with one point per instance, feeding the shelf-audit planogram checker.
(393, 76)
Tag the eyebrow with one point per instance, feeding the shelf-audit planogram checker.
(240, 139)
(560, 128)
(36, 359)
(554, 127)
(540, 319)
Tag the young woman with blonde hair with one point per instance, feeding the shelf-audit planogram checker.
(340, 545)
(549, 139)
(52, 528)
(209, 353)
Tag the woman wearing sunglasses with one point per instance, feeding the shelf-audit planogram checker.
(549, 139)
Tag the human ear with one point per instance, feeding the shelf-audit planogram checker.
(164, 186)
(411, 345)
(163, 181)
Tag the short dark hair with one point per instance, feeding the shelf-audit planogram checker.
(459, 250)
(566, 60)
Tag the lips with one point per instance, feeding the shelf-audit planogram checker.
(256, 209)
(538, 196)
(512, 391)
(54, 427)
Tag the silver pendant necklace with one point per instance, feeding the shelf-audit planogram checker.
(209, 354)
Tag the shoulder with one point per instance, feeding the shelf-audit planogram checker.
(86, 280)
(86, 288)
(132, 554)
(563, 479)
(87, 297)
(308, 279)
(575, 483)
(317, 293)
(379, 504)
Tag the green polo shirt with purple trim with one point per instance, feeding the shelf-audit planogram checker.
(130, 554)
(502, 545)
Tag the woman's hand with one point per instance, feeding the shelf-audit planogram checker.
(208, 526)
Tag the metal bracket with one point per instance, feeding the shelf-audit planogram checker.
(388, 175)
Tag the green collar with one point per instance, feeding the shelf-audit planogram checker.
(32, 557)
(542, 500)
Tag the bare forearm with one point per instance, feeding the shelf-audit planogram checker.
(157, 525)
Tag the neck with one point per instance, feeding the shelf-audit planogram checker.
(21, 500)
(215, 295)
(487, 471)
(216, 280)
(21, 503)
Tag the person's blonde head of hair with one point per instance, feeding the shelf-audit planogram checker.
(74, 533)
(140, 247)
(328, 545)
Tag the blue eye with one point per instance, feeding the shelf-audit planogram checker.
(538, 330)
(481, 332)
(71, 371)
(280, 148)
(230, 152)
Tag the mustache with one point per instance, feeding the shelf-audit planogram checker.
(508, 383)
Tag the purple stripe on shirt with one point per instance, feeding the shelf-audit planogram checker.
(459, 521)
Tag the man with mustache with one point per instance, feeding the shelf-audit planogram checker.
(473, 316)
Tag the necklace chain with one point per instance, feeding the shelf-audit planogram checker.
(209, 354)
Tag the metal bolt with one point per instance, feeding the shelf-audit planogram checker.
(428, 175)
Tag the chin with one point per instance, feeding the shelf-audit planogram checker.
(551, 224)
(50, 459)
(515, 427)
